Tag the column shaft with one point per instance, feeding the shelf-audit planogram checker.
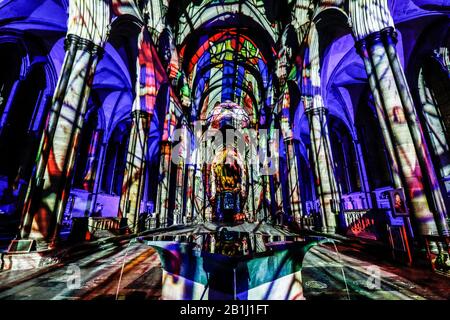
(421, 148)
(323, 167)
(49, 187)
(293, 181)
(190, 192)
(99, 174)
(91, 167)
(403, 142)
(362, 173)
(293, 176)
(162, 201)
(326, 185)
(372, 23)
(277, 177)
(379, 107)
(179, 194)
(134, 177)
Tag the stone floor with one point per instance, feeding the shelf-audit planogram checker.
(345, 272)
(134, 272)
(100, 277)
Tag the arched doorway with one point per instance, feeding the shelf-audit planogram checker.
(115, 159)
(23, 107)
(434, 101)
(344, 156)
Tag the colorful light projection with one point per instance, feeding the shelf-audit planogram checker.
(407, 148)
(50, 185)
(193, 16)
(222, 59)
(227, 66)
(228, 132)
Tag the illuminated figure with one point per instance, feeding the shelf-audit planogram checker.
(399, 204)
(295, 115)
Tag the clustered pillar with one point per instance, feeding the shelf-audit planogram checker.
(407, 150)
(90, 173)
(134, 177)
(293, 180)
(162, 200)
(291, 161)
(322, 157)
(49, 187)
(323, 165)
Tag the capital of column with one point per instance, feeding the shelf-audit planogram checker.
(155, 13)
(310, 111)
(291, 140)
(90, 19)
(369, 16)
(387, 35)
(140, 114)
(303, 13)
(83, 45)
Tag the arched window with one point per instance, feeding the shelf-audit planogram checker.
(21, 123)
(434, 98)
(438, 83)
(10, 65)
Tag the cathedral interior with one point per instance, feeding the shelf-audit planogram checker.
(270, 123)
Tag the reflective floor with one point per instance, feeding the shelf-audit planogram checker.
(134, 272)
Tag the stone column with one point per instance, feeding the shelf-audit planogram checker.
(134, 177)
(293, 180)
(274, 147)
(379, 108)
(156, 11)
(91, 172)
(190, 192)
(162, 200)
(322, 159)
(409, 168)
(373, 29)
(265, 173)
(362, 173)
(98, 172)
(293, 176)
(91, 168)
(180, 175)
(49, 187)
(144, 105)
(251, 213)
(179, 194)
(389, 38)
(435, 127)
(252, 164)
